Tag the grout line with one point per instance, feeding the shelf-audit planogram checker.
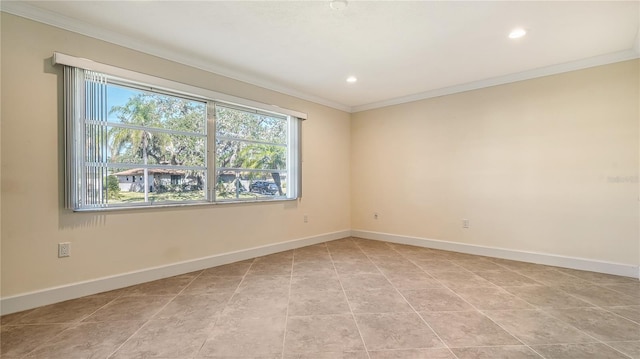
(353, 316)
(154, 314)
(473, 306)
(405, 299)
(582, 331)
(215, 322)
(286, 316)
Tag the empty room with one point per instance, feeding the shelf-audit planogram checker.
(319, 179)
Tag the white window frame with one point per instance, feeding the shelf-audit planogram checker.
(163, 86)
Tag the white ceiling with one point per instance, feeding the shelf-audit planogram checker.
(399, 51)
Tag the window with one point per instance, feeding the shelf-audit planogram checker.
(131, 144)
(251, 154)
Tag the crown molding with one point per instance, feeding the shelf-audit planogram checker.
(501, 80)
(25, 10)
(30, 12)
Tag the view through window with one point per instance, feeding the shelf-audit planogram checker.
(131, 145)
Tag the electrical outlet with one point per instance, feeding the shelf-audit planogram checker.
(64, 249)
(306, 218)
(375, 215)
(465, 223)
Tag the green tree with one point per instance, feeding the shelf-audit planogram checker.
(239, 136)
(265, 157)
(113, 187)
(142, 144)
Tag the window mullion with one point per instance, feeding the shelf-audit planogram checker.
(211, 151)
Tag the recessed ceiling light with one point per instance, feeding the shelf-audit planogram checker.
(517, 33)
(338, 4)
(351, 79)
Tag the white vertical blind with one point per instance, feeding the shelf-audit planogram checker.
(86, 134)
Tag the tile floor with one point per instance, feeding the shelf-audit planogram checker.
(350, 298)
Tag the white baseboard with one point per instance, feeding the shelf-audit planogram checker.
(47, 296)
(592, 265)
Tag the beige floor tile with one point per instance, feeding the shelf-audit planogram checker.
(630, 312)
(631, 289)
(506, 278)
(435, 266)
(315, 282)
(233, 269)
(18, 340)
(271, 268)
(467, 329)
(301, 268)
(412, 280)
(599, 278)
(491, 298)
(15, 318)
(280, 257)
(69, 311)
(166, 338)
(130, 308)
(243, 336)
(578, 351)
(329, 355)
(500, 352)
(365, 282)
(517, 265)
(210, 284)
(377, 301)
(257, 305)
(322, 333)
(241, 356)
(205, 307)
(87, 340)
(305, 303)
(396, 331)
(167, 286)
(356, 267)
(399, 268)
(477, 265)
(412, 354)
(313, 251)
(391, 257)
(462, 278)
(348, 255)
(551, 277)
(265, 284)
(547, 297)
(599, 323)
(421, 255)
(630, 348)
(448, 255)
(598, 295)
(536, 327)
(435, 300)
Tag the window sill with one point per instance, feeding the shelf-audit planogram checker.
(183, 205)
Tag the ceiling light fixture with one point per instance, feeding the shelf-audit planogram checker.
(338, 4)
(351, 79)
(517, 33)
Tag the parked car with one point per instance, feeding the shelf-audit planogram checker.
(263, 187)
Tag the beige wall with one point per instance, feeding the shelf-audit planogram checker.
(547, 165)
(105, 244)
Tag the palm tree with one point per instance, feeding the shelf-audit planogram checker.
(265, 157)
(125, 142)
